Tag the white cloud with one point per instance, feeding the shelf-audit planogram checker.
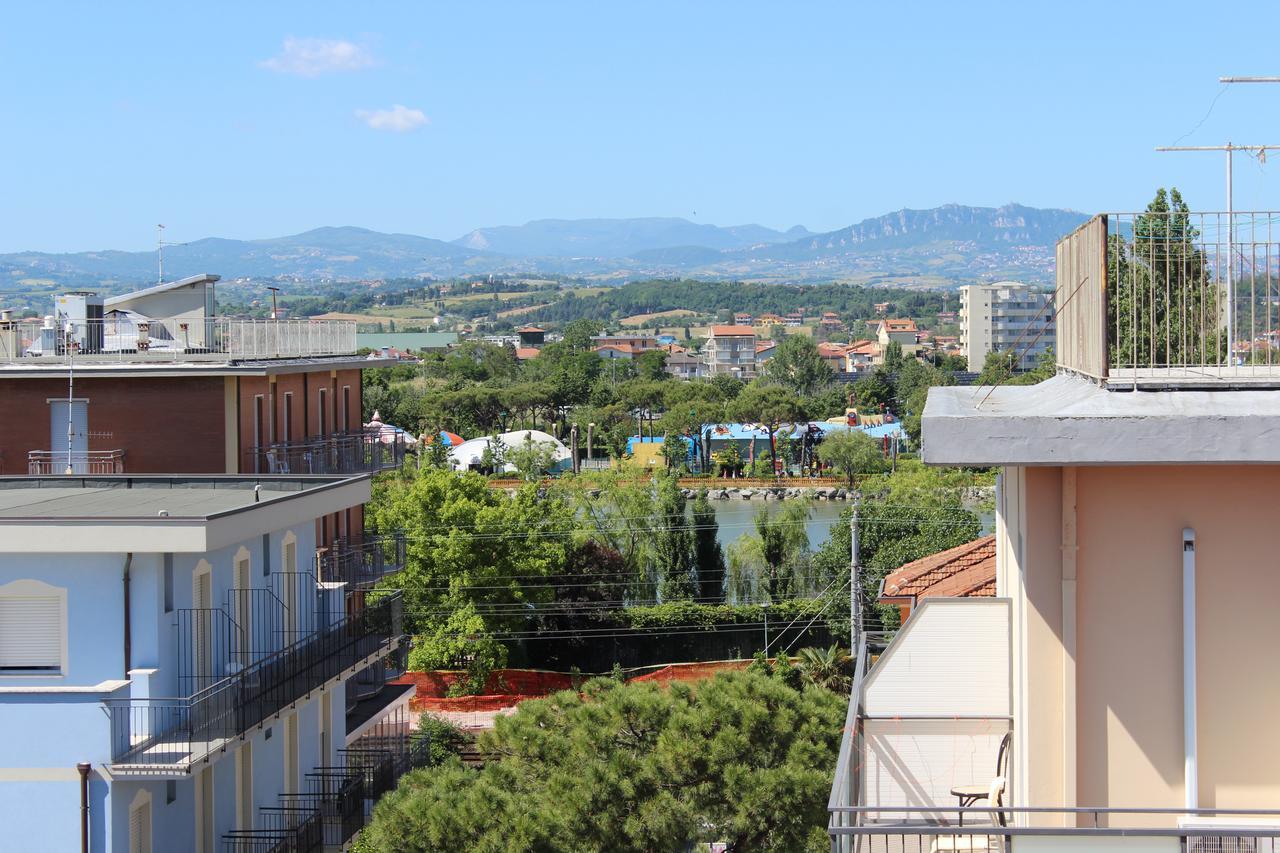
(398, 119)
(310, 57)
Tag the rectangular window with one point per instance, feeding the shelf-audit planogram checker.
(243, 607)
(346, 408)
(322, 420)
(168, 583)
(140, 827)
(266, 555)
(244, 787)
(288, 416)
(204, 811)
(32, 634)
(291, 754)
(259, 443)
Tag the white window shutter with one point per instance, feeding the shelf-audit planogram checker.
(140, 828)
(31, 632)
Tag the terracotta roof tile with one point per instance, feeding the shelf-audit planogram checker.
(968, 570)
(732, 331)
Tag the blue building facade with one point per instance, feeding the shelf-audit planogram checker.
(181, 638)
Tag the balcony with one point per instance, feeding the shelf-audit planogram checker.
(362, 564)
(42, 463)
(925, 761)
(336, 454)
(1171, 300)
(128, 338)
(165, 736)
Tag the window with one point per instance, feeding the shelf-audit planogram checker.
(291, 754)
(168, 583)
(244, 786)
(266, 554)
(323, 410)
(33, 634)
(140, 823)
(204, 811)
(288, 416)
(242, 612)
(346, 408)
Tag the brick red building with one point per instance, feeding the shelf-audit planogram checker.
(124, 391)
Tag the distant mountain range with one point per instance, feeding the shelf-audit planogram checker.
(941, 246)
(618, 238)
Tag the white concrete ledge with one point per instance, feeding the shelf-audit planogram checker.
(110, 686)
(1067, 420)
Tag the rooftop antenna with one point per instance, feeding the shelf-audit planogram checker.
(160, 252)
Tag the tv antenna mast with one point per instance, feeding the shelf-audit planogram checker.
(160, 252)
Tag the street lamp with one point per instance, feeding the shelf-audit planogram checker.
(765, 607)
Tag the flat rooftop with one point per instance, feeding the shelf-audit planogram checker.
(162, 514)
(1068, 420)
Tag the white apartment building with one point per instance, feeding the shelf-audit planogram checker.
(1003, 316)
(732, 350)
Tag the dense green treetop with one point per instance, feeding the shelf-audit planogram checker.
(741, 758)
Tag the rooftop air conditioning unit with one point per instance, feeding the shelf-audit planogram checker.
(80, 318)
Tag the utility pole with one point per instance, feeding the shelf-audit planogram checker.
(855, 577)
(1261, 152)
(274, 290)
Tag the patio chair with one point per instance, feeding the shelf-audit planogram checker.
(970, 794)
(984, 837)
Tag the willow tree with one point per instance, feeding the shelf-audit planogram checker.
(1164, 304)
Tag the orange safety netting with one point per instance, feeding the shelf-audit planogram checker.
(507, 687)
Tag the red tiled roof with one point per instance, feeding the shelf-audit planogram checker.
(830, 350)
(526, 353)
(966, 571)
(627, 348)
(907, 325)
(732, 331)
(862, 348)
(761, 346)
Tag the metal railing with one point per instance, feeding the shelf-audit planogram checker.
(902, 829)
(281, 829)
(362, 564)
(47, 462)
(174, 732)
(339, 453)
(129, 338)
(1171, 298)
(847, 782)
(337, 795)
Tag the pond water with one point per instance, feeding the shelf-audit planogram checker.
(737, 518)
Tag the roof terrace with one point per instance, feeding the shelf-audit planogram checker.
(1171, 300)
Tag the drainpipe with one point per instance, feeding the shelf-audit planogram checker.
(1191, 780)
(128, 629)
(84, 767)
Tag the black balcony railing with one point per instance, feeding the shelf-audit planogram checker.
(362, 564)
(359, 452)
(281, 829)
(337, 794)
(159, 733)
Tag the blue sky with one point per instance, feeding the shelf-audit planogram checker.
(271, 118)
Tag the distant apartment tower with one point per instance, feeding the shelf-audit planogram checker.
(1005, 316)
(731, 350)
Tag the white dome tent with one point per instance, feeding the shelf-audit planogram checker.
(469, 454)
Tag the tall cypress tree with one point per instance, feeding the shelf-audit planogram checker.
(708, 556)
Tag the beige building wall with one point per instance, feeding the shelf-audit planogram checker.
(1127, 737)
